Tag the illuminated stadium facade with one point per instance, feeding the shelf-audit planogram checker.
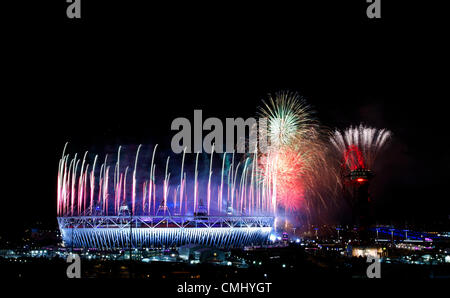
(114, 232)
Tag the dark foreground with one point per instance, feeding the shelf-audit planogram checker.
(275, 264)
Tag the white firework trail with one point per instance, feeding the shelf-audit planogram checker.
(81, 193)
(363, 141)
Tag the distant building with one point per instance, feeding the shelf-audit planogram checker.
(201, 254)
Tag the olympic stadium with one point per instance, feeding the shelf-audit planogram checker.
(117, 232)
(103, 210)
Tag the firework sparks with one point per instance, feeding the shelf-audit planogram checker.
(359, 146)
(289, 118)
(297, 162)
(78, 185)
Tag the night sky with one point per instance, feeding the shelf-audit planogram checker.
(123, 73)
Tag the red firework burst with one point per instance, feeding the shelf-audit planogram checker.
(286, 167)
(353, 158)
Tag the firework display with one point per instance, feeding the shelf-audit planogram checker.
(105, 204)
(87, 191)
(359, 146)
(297, 162)
(99, 204)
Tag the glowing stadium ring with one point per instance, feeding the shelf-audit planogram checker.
(113, 232)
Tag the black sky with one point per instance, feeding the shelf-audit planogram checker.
(123, 73)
